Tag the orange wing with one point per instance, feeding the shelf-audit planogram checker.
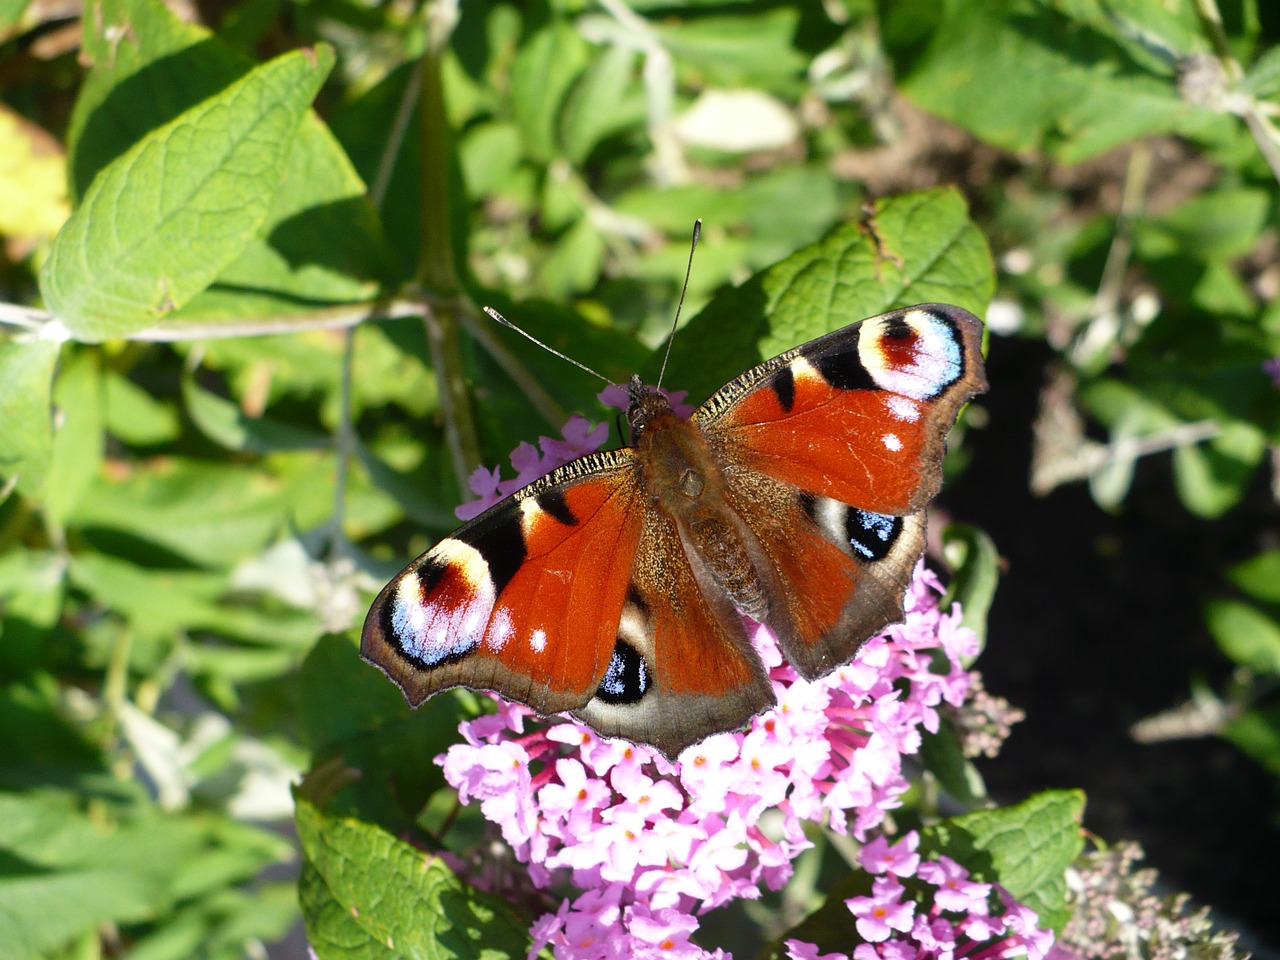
(843, 439)
(525, 599)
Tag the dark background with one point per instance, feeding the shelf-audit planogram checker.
(1097, 624)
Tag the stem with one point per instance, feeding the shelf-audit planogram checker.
(1260, 127)
(437, 269)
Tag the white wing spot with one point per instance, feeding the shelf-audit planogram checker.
(538, 640)
(891, 442)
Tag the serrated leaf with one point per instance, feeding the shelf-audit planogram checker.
(1025, 848)
(26, 442)
(320, 243)
(913, 248)
(1245, 634)
(1259, 576)
(163, 220)
(401, 898)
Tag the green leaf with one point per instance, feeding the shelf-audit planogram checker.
(227, 425)
(1025, 848)
(1245, 634)
(76, 464)
(134, 415)
(545, 68)
(62, 871)
(914, 248)
(32, 585)
(26, 442)
(211, 513)
(1259, 576)
(163, 220)
(1211, 477)
(1019, 74)
(1222, 224)
(400, 898)
(1257, 733)
(754, 50)
(607, 99)
(943, 757)
(43, 749)
(320, 243)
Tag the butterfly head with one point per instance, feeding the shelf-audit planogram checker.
(644, 404)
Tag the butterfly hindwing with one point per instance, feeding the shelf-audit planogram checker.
(686, 668)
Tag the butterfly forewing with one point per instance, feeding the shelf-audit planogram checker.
(859, 415)
(525, 599)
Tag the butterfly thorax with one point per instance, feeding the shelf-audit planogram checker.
(685, 481)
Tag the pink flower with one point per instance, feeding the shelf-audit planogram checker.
(955, 891)
(883, 912)
(901, 858)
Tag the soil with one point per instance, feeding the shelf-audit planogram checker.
(1097, 624)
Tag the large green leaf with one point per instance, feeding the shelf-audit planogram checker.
(162, 221)
(320, 243)
(1025, 848)
(393, 897)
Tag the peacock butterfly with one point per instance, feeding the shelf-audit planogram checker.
(614, 587)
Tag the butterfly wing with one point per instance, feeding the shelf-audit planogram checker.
(524, 599)
(844, 437)
(574, 594)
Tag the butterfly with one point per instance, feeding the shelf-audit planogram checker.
(615, 587)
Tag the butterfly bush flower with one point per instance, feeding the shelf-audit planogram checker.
(946, 915)
(652, 844)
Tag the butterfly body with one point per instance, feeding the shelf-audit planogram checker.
(614, 588)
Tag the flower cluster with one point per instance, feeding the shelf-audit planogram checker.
(946, 915)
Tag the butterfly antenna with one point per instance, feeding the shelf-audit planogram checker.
(528, 336)
(671, 337)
